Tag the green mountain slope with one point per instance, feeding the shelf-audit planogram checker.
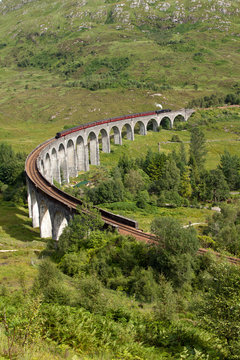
(128, 49)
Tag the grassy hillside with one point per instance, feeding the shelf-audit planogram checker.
(85, 54)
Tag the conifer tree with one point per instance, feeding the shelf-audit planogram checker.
(185, 188)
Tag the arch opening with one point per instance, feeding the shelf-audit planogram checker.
(178, 120)
(165, 123)
(71, 159)
(47, 168)
(152, 125)
(35, 210)
(93, 148)
(45, 221)
(115, 136)
(80, 154)
(59, 223)
(127, 132)
(55, 172)
(139, 128)
(42, 167)
(62, 164)
(103, 141)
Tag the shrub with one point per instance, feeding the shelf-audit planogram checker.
(142, 199)
(73, 264)
(144, 286)
(175, 138)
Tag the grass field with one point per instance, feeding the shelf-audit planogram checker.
(146, 216)
(16, 233)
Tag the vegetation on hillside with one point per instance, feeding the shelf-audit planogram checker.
(141, 53)
(113, 297)
(12, 177)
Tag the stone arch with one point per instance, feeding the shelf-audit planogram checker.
(35, 209)
(127, 131)
(93, 148)
(42, 167)
(71, 163)
(62, 164)
(55, 169)
(59, 223)
(152, 125)
(166, 123)
(81, 156)
(116, 135)
(140, 128)
(45, 221)
(103, 140)
(48, 167)
(178, 119)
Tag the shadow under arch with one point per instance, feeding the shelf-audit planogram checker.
(71, 158)
(48, 167)
(80, 149)
(62, 163)
(59, 223)
(35, 209)
(179, 119)
(127, 132)
(139, 128)
(93, 148)
(45, 221)
(152, 125)
(55, 172)
(115, 135)
(103, 140)
(165, 123)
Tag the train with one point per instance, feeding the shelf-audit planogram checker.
(91, 124)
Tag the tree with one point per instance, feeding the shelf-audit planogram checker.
(171, 176)
(134, 180)
(125, 164)
(75, 235)
(6, 153)
(154, 165)
(173, 255)
(230, 166)
(197, 149)
(219, 310)
(107, 191)
(224, 227)
(142, 199)
(11, 165)
(217, 186)
(185, 188)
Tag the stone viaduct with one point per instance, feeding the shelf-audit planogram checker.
(62, 158)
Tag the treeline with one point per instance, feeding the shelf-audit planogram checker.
(217, 100)
(12, 177)
(176, 179)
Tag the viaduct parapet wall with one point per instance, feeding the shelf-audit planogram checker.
(61, 158)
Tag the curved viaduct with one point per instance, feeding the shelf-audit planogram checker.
(58, 159)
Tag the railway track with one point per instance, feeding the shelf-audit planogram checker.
(71, 202)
